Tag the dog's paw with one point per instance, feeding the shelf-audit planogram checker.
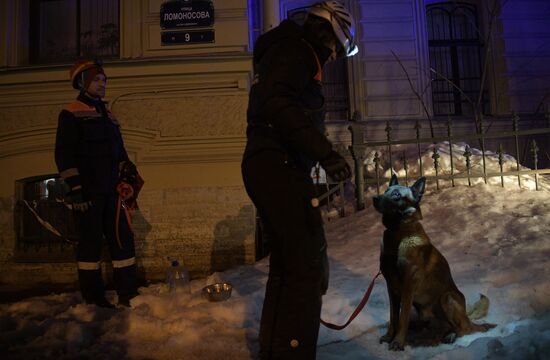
(396, 346)
(449, 338)
(386, 338)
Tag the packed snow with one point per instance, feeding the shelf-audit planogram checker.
(495, 240)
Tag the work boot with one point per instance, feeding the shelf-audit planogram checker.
(101, 302)
(124, 300)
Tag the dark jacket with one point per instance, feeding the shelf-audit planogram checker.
(89, 146)
(285, 109)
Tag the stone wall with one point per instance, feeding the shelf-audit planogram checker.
(208, 228)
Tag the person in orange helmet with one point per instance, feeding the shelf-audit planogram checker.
(90, 156)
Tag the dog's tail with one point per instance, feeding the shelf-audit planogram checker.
(479, 309)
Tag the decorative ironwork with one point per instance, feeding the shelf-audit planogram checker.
(468, 174)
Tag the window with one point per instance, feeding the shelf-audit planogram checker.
(335, 80)
(40, 211)
(63, 30)
(455, 55)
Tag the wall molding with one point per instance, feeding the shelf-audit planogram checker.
(27, 87)
(149, 145)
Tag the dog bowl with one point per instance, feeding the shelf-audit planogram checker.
(217, 292)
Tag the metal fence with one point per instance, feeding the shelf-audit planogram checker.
(359, 146)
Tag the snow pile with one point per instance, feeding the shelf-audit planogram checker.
(458, 167)
(495, 240)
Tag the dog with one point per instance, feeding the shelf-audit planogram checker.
(417, 274)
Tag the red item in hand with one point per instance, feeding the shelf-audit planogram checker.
(125, 190)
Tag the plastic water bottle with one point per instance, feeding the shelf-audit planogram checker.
(177, 278)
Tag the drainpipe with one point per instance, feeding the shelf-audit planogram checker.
(270, 14)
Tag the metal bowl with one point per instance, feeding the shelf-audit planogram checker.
(217, 292)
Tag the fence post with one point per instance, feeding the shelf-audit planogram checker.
(406, 168)
(357, 150)
(535, 151)
(388, 130)
(376, 161)
(500, 153)
(342, 211)
(515, 127)
(435, 157)
(417, 127)
(467, 154)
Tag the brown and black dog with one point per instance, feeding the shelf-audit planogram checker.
(416, 273)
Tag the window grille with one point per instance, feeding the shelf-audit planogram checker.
(40, 200)
(455, 51)
(63, 30)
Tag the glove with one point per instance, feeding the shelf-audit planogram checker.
(129, 183)
(76, 198)
(336, 167)
(127, 172)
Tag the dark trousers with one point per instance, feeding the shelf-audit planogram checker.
(97, 223)
(298, 272)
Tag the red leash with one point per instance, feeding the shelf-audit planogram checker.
(357, 310)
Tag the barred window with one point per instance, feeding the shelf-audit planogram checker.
(44, 224)
(63, 30)
(455, 49)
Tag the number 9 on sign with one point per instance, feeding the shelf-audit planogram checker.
(187, 37)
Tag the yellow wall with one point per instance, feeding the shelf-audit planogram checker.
(182, 111)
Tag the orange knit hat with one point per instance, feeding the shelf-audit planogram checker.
(83, 72)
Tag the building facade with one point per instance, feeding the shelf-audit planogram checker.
(180, 88)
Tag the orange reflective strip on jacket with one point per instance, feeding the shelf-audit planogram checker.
(80, 109)
(319, 75)
(77, 106)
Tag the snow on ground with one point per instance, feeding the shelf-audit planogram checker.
(495, 240)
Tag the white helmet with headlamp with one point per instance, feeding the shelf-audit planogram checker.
(341, 21)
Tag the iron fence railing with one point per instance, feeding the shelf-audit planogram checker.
(337, 189)
(359, 146)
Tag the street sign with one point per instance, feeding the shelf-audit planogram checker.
(187, 37)
(175, 14)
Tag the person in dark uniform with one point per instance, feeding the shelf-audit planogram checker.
(90, 154)
(285, 139)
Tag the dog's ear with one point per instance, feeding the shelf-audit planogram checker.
(418, 188)
(393, 180)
